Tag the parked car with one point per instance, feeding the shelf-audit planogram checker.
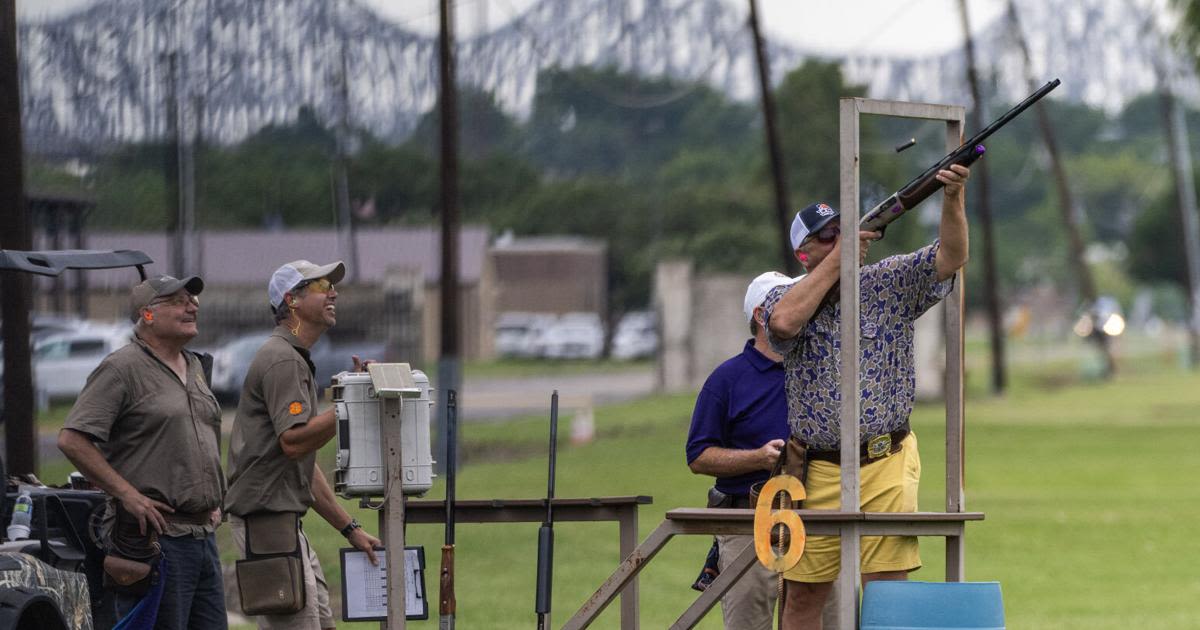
(232, 360)
(334, 358)
(517, 333)
(62, 362)
(572, 336)
(636, 336)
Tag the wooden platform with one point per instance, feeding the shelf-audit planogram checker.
(712, 521)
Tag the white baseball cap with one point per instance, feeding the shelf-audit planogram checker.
(760, 287)
(288, 276)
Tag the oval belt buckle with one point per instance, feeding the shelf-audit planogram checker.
(879, 446)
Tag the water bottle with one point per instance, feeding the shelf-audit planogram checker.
(22, 515)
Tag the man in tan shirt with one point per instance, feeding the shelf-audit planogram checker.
(147, 430)
(277, 431)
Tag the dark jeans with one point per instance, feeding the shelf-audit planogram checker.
(194, 594)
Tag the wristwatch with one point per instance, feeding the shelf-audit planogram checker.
(350, 527)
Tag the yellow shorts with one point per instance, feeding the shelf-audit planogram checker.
(889, 485)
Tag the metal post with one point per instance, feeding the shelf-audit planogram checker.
(850, 576)
(19, 433)
(171, 170)
(51, 213)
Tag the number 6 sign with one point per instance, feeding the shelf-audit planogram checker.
(765, 520)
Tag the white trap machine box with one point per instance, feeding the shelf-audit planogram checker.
(387, 392)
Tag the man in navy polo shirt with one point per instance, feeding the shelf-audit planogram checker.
(738, 430)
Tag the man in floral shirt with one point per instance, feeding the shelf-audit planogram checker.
(804, 321)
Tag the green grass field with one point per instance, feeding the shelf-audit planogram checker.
(1089, 490)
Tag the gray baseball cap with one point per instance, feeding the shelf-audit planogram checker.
(154, 287)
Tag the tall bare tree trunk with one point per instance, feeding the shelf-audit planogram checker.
(1180, 156)
(1066, 203)
(774, 148)
(984, 199)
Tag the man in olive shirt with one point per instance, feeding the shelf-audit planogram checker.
(147, 430)
(277, 431)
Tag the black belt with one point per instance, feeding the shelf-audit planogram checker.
(718, 499)
(870, 451)
(740, 502)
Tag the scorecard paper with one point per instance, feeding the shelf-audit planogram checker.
(364, 585)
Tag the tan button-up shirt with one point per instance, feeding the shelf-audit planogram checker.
(160, 434)
(280, 392)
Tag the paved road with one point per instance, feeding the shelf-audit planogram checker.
(493, 399)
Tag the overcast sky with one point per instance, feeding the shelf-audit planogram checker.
(899, 27)
(904, 27)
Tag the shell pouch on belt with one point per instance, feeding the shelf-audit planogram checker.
(131, 558)
(271, 578)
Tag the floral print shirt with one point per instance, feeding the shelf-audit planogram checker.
(894, 293)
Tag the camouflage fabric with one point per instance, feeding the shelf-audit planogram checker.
(894, 293)
(68, 589)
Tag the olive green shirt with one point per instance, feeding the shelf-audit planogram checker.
(280, 392)
(160, 434)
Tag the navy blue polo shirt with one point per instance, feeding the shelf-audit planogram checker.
(742, 405)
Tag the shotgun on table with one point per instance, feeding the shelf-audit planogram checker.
(446, 600)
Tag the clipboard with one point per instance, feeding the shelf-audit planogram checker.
(364, 586)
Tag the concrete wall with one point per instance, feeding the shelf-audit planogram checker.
(673, 302)
(701, 323)
(720, 325)
(560, 276)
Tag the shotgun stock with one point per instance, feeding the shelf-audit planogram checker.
(925, 184)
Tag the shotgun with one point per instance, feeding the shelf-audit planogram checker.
(925, 184)
(447, 603)
(545, 560)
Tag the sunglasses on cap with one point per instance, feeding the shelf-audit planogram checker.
(176, 300)
(320, 285)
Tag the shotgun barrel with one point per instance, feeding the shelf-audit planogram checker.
(447, 604)
(925, 184)
(545, 561)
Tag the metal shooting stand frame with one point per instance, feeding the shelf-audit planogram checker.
(392, 385)
(849, 521)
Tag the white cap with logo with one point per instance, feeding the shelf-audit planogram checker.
(760, 287)
(288, 276)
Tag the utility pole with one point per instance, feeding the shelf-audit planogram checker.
(1175, 126)
(19, 435)
(984, 199)
(1180, 156)
(1087, 287)
(345, 223)
(783, 209)
(448, 362)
